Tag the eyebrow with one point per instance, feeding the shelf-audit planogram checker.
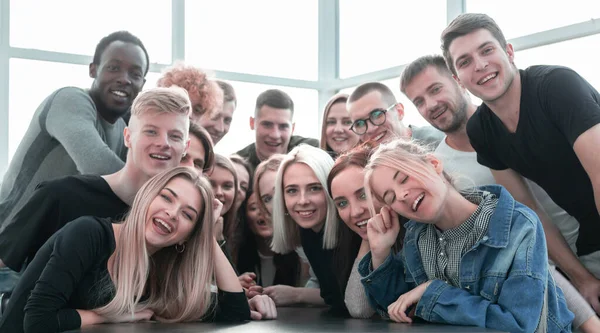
(121, 61)
(176, 196)
(484, 44)
(341, 197)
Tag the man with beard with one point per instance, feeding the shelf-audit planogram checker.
(79, 131)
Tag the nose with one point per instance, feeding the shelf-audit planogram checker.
(123, 78)
(356, 210)
(480, 63)
(171, 213)
(274, 133)
(304, 199)
(402, 194)
(218, 191)
(220, 125)
(338, 128)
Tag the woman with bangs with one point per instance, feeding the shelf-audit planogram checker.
(159, 263)
(466, 255)
(304, 215)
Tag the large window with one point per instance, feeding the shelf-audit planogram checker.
(519, 18)
(265, 37)
(378, 34)
(240, 135)
(76, 26)
(580, 54)
(32, 81)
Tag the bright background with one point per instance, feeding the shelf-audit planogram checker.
(309, 48)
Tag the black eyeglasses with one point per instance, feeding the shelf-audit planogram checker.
(376, 117)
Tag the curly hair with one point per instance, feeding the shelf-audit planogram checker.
(205, 94)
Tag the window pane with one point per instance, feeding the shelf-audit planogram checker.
(411, 115)
(24, 97)
(266, 37)
(76, 26)
(306, 112)
(519, 18)
(378, 34)
(580, 54)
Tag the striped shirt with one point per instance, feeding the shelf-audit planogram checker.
(441, 251)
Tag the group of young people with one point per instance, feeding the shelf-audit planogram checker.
(486, 218)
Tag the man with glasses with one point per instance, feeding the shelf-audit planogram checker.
(377, 116)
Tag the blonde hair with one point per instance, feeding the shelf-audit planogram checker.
(286, 232)
(160, 99)
(177, 285)
(406, 156)
(270, 164)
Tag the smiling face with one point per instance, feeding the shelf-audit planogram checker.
(223, 185)
(195, 155)
(273, 129)
(243, 183)
(417, 199)
(156, 141)
(119, 77)
(173, 214)
(266, 187)
(348, 192)
(482, 65)
(338, 134)
(439, 99)
(391, 128)
(258, 224)
(305, 197)
(218, 124)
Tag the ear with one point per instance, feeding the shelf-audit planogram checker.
(127, 137)
(400, 110)
(293, 127)
(93, 69)
(252, 123)
(510, 52)
(436, 163)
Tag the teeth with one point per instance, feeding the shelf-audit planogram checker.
(419, 198)
(487, 78)
(439, 113)
(160, 157)
(119, 93)
(362, 223)
(339, 139)
(164, 224)
(272, 144)
(379, 137)
(305, 213)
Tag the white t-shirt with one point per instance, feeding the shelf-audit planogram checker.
(267, 270)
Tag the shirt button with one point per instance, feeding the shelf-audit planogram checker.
(442, 253)
(441, 239)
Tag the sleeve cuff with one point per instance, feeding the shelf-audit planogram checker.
(429, 298)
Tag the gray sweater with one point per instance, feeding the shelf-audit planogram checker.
(66, 136)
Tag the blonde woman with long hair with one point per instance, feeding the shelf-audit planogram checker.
(304, 215)
(159, 263)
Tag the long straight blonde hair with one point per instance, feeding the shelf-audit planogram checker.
(286, 232)
(176, 286)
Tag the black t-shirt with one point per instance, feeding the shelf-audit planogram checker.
(249, 152)
(321, 261)
(52, 205)
(557, 106)
(70, 272)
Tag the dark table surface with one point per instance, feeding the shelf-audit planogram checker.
(289, 320)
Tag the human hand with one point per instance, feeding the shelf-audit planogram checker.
(262, 307)
(218, 229)
(281, 294)
(247, 280)
(590, 290)
(397, 310)
(253, 291)
(143, 315)
(382, 231)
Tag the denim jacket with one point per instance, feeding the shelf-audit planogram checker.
(502, 278)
